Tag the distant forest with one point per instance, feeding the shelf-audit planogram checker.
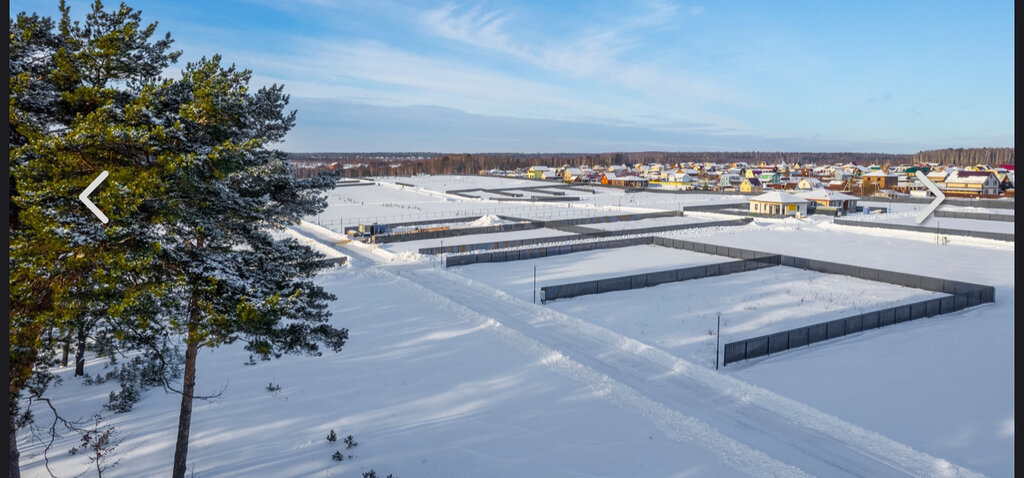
(405, 164)
(966, 157)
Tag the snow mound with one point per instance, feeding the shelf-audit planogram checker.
(489, 220)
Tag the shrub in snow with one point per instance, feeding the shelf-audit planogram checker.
(272, 387)
(337, 456)
(350, 442)
(124, 400)
(332, 437)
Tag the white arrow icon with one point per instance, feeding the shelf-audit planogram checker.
(84, 197)
(939, 197)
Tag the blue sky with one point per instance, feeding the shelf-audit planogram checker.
(600, 76)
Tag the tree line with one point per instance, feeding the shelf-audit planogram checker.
(966, 156)
(406, 164)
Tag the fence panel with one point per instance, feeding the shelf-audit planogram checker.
(778, 342)
(735, 352)
(757, 347)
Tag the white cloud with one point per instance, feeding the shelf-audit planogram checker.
(602, 53)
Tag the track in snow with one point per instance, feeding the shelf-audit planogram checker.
(755, 431)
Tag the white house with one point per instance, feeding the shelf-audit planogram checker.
(778, 203)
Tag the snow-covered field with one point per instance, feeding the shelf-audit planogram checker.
(909, 219)
(516, 278)
(681, 317)
(689, 218)
(455, 372)
(473, 239)
(981, 210)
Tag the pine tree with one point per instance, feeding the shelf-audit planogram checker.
(237, 282)
(72, 90)
(193, 194)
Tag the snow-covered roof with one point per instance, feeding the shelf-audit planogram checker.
(778, 197)
(969, 177)
(877, 174)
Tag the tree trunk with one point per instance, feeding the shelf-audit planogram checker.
(12, 464)
(187, 393)
(64, 356)
(80, 353)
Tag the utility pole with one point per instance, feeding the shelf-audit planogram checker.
(718, 338)
(534, 284)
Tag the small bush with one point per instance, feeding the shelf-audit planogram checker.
(124, 400)
(332, 437)
(350, 442)
(337, 456)
(272, 387)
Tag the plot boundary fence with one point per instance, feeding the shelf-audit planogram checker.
(651, 279)
(974, 215)
(961, 295)
(464, 231)
(999, 236)
(530, 253)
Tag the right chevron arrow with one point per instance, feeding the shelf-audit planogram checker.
(939, 197)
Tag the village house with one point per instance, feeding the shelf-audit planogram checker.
(824, 198)
(769, 177)
(972, 183)
(612, 179)
(808, 184)
(751, 185)
(538, 172)
(880, 180)
(572, 175)
(937, 176)
(778, 204)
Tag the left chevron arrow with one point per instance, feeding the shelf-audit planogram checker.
(84, 197)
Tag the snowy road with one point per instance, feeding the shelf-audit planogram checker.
(755, 431)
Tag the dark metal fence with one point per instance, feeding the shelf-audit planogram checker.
(614, 218)
(353, 183)
(444, 220)
(793, 338)
(482, 246)
(962, 295)
(974, 215)
(651, 279)
(980, 202)
(536, 252)
(999, 236)
(462, 260)
(465, 231)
